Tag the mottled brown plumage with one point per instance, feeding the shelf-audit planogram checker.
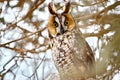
(72, 55)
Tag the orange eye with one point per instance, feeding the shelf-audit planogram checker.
(66, 23)
(55, 24)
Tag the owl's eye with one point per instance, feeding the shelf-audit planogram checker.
(66, 23)
(55, 24)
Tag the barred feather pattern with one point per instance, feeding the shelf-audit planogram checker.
(72, 56)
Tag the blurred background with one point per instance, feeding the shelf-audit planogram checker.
(24, 44)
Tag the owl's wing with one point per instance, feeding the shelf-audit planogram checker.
(82, 49)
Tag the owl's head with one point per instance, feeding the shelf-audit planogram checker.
(60, 23)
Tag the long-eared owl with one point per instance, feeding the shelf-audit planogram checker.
(72, 55)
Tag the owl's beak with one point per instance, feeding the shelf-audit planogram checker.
(62, 31)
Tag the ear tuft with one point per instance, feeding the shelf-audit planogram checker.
(67, 8)
(51, 8)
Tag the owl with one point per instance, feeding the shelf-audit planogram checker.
(71, 54)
